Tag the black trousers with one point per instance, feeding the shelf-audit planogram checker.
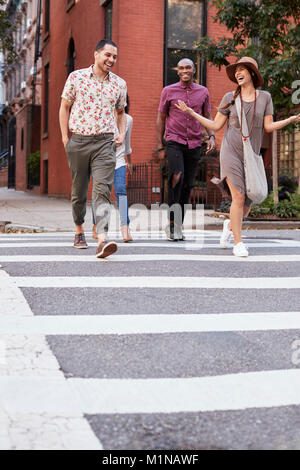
(185, 161)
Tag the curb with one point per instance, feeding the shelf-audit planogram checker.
(272, 225)
(8, 227)
(3, 224)
(15, 228)
(261, 224)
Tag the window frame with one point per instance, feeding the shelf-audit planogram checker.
(69, 5)
(289, 154)
(47, 17)
(202, 75)
(46, 99)
(71, 58)
(108, 31)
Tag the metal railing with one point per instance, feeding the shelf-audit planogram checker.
(148, 184)
(145, 185)
(205, 192)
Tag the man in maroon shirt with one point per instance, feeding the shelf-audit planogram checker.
(183, 136)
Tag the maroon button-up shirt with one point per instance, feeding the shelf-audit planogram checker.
(180, 126)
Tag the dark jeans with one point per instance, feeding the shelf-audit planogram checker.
(182, 160)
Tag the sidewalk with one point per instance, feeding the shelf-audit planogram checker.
(43, 213)
(20, 210)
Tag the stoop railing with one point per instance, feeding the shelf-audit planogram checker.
(148, 184)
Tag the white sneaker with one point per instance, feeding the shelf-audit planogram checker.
(226, 235)
(174, 233)
(240, 250)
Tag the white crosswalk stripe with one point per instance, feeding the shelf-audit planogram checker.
(196, 245)
(159, 282)
(39, 386)
(146, 257)
(106, 396)
(146, 324)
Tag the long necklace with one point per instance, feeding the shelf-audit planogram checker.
(245, 137)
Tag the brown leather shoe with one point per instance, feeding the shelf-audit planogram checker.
(79, 241)
(106, 249)
(126, 234)
(94, 234)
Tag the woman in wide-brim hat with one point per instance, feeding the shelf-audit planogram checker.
(258, 108)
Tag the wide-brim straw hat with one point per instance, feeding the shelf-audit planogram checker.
(251, 64)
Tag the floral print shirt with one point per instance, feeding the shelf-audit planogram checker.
(93, 101)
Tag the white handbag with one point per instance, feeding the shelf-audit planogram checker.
(255, 175)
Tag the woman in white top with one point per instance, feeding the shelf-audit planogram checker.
(123, 153)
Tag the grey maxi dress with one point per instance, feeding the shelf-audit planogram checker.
(232, 154)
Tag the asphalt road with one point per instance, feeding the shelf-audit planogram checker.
(146, 383)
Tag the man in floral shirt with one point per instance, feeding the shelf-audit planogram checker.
(89, 101)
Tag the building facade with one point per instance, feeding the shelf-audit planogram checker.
(21, 80)
(152, 35)
(3, 133)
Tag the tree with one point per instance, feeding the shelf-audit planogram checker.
(6, 38)
(266, 30)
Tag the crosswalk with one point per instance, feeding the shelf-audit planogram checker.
(92, 350)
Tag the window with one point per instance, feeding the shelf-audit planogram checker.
(20, 33)
(290, 153)
(15, 39)
(15, 83)
(108, 7)
(25, 21)
(10, 89)
(22, 139)
(47, 16)
(5, 88)
(71, 56)
(19, 77)
(30, 9)
(46, 99)
(70, 4)
(25, 70)
(185, 24)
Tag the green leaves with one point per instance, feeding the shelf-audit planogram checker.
(267, 30)
(33, 163)
(6, 37)
(285, 208)
(216, 53)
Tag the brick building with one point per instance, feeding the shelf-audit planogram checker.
(20, 110)
(152, 35)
